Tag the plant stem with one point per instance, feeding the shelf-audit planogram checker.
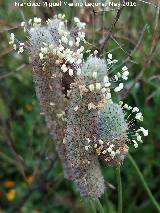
(107, 201)
(92, 206)
(99, 206)
(119, 182)
(153, 200)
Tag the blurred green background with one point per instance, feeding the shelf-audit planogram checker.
(31, 180)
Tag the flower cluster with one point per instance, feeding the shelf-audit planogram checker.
(77, 99)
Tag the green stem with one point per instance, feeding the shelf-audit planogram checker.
(119, 182)
(107, 201)
(99, 206)
(153, 200)
(92, 206)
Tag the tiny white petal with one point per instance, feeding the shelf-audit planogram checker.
(95, 52)
(98, 86)
(94, 74)
(91, 87)
(110, 56)
(70, 72)
(124, 68)
(41, 55)
(135, 109)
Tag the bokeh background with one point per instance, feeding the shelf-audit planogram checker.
(31, 178)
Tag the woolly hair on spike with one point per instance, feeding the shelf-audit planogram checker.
(39, 36)
(81, 124)
(112, 123)
(49, 87)
(55, 26)
(112, 140)
(94, 68)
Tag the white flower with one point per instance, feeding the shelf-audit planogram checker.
(21, 49)
(44, 50)
(51, 46)
(70, 72)
(48, 21)
(101, 142)
(77, 44)
(104, 152)
(98, 86)
(95, 52)
(22, 24)
(135, 143)
(76, 108)
(81, 48)
(88, 51)
(135, 109)
(116, 77)
(108, 96)
(120, 103)
(76, 19)
(41, 55)
(88, 140)
(103, 90)
(81, 35)
(95, 146)
(145, 131)
(107, 84)
(61, 48)
(125, 75)
(91, 87)
(121, 86)
(110, 56)
(78, 51)
(117, 89)
(126, 106)
(124, 68)
(37, 22)
(12, 37)
(54, 51)
(94, 74)
(139, 116)
(113, 154)
(78, 39)
(64, 68)
(61, 16)
(60, 55)
(81, 25)
(86, 148)
(30, 21)
(64, 39)
(14, 46)
(139, 137)
(109, 149)
(91, 106)
(70, 43)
